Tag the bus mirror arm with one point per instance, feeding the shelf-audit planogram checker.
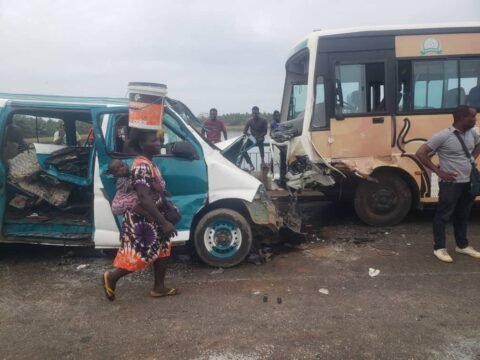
(339, 117)
(339, 100)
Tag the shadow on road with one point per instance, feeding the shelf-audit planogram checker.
(326, 224)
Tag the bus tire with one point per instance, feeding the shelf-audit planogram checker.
(223, 238)
(384, 203)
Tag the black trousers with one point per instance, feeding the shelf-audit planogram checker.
(455, 203)
(260, 144)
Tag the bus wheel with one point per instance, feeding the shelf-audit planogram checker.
(223, 238)
(384, 203)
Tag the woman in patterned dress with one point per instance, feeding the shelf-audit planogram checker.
(144, 242)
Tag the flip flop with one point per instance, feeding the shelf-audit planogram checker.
(109, 293)
(170, 292)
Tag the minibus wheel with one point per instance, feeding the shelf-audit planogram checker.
(223, 238)
(384, 203)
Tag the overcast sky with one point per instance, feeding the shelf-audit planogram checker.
(227, 54)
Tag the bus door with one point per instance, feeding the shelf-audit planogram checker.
(363, 92)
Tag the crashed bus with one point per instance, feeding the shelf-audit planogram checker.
(358, 103)
(59, 192)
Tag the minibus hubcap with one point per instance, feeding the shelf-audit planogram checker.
(223, 238)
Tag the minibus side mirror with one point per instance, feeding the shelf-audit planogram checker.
(185, 150)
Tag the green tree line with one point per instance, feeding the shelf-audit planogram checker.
(32, 126)
(238, 119)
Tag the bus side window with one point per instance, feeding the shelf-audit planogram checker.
(438, 84)
(470, 81)
(360, 88)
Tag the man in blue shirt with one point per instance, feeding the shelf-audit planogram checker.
(275, 120)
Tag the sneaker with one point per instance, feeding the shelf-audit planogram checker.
(252, 168)
(442, 255)
(468, 251)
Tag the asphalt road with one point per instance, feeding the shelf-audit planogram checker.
(415, 308)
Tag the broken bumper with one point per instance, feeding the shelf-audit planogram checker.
(263, 211)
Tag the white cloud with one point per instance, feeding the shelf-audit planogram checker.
(227, 54)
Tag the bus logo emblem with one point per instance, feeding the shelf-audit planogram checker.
(431, 46)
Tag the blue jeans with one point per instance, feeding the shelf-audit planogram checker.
(455, 203)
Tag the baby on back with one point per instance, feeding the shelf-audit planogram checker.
(125, 197)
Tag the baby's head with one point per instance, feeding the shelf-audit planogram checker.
(118, 168)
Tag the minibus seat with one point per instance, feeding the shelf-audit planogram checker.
(451, 98)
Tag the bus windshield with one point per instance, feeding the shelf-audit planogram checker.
(296, 83)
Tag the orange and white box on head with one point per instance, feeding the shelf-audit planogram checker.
(146, 105)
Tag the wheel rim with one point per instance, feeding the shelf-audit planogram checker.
(222, 238)
(383, 200)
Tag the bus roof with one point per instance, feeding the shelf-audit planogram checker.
(417, 29)
(400, 29)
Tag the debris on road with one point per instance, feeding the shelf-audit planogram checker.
(265, 298)
(260, 256)
(217, 271)
(254, 258)
(300, 247)
(256, 293)
(323, 291)
(358, 240)
(373, 272)
(279, 300)
(82, 266)
(383, 251)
